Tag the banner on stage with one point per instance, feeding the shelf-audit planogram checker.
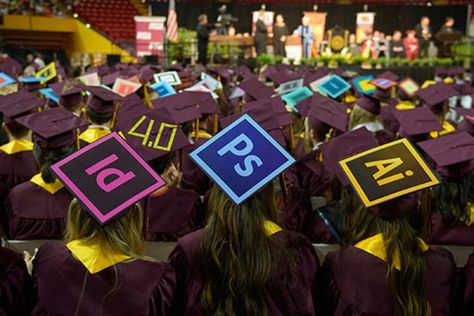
(149, 35)
(364, 24)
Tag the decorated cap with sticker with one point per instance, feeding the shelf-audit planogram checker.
(364, 84)
(107, 177)
(345, 146)
(388, 173)
(383, 83)
(53, 128)
(242, 158)
(408, 87)
(154, 134)
(102, 100)
(453, 154)
(334, 86)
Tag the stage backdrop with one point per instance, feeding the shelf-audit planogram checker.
(395, 17)
(149, 37)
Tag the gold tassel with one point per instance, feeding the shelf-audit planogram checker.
(216, 123)
(147, 97)
(292, 137)
(78, 142)
(114, 117)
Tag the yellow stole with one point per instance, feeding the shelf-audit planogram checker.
(201, 135)
(447, 129)
(50, 187)
(350, 99)
(17, 146)
(92, 256)
(376, 247)
(471, 214)
(271, 228)
(405, 105)
(94, 133)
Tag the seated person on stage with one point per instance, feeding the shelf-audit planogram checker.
(170, 212)
(37, 209)
(101, 269)
(16, 287)
(17, 164)
(388, 269)
(100, 111)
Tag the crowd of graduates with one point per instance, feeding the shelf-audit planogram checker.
(253, 258)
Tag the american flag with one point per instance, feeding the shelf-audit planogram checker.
(172, 23)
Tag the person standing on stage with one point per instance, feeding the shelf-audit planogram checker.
(202, 31)
(261, 34)
(307, 37)
(423, 33)
(280, 34)
(412, 47)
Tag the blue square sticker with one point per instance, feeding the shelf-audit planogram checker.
(296, 96)
(242, 158)
(335, 86)
(163, 89)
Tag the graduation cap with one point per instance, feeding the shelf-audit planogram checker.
(154, 134)
(53, 128)
(107, 177)
(23, 107)
(383, 177)
(467, 125)
(101, 100)
(330, 112)
(364, 84)
(109, 79)
(5, 79)
(345, 146)
(453, 154)
(16, 97)
(370, 104)
(407, 88)
(236, 92)
(313, 76)
(334, 86)
(255, 88)
(441, 72)
(296, 96)
(32, 83)
(383, 88)
(69, 92)
(182, 107)
(389, 76)
(205, 102)
(434, 96)
(417, 122)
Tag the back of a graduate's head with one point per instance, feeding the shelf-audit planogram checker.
(122, 235)
(15, 129)
(360, 115)
(98, 118)
(46, 157)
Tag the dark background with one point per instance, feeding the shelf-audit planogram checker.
(388, 18)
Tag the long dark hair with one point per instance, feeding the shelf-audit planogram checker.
(400, 234)
(236, 260)
(452, 199)
(45, 158)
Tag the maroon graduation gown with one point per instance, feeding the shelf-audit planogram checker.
(15, 169)
(467, 288)
(34, 213)
(354, 283)
(193, 177)
(16, 287)
(443, 234)
(294, 298)
(65, 287)
(172, 214)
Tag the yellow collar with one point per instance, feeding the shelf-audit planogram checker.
(376, 247)
(350, 99)
(92, 134)
(471, 214)
(271, 228)
(448, 128)
(50, 187)
(201, 135)
(16, 146)
(405, 105)
(92, 256)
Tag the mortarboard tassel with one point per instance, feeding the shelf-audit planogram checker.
(114, 117)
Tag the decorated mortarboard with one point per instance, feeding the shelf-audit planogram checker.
(409, 87)
(125, 87)
(370, 104)
(417, 121)
(211, 81)
(453, 154)
(290, 86)
(107, 177)
(315, 84)
(345, 146)
(334, 86)
(387, 172)
(242, 158)
(102, 100)
(5, 79)
(364, 84)
(181, 106)
(330, 112)
(236, 93)
(296, 96)
(49, 93)
(389, 76)
(170, 77)
(153, 134)
(383, 83)
(205, 101)
(48, 72)
(53, 128)
(255, 88)
(91, 79)
(163, 89)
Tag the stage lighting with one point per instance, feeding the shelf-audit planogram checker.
(429, 4)
(88, 25)
(75, 15)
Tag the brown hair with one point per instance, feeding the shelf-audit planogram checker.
(400, 236)
(236, 260)
(359, 116)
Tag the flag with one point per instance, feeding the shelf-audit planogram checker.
(172, 23)
(49, 72)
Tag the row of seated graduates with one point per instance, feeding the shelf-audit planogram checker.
(310, 178)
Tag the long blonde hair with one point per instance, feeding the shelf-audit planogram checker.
(122, 236)
(360, 116)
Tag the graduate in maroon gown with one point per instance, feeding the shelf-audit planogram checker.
(452, 216)
(101, 270)
(16, 157)
(466, 287)
(16, 287)
(70, 95)
(37, 209)
(170, 212)
(388, 269)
